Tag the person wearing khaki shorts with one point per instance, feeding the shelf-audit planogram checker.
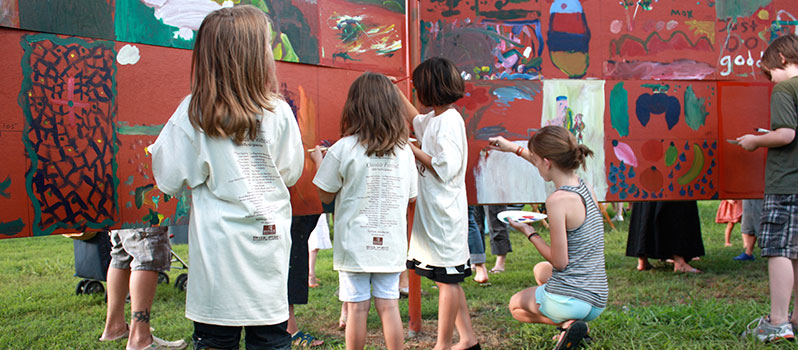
(137, 256)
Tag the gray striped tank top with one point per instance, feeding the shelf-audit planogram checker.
(585, 277)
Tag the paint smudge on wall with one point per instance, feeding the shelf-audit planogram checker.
(9, 13)
(569, 38)
(4, 187)
(619, 109)
(185, 15)
(501, 99)
(128, 54)
(495, 183)
(695, 109)
(11, 228)
(68, 98)
(729, 9)
(682, 69)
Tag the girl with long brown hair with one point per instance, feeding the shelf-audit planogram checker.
(370, 173)
(235, 143)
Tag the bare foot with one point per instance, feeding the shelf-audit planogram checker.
(313, 282)
(643, 264)
(685, 268)
(728, 244)
(481, 275)
(108, 335)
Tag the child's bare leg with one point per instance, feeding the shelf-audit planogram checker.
(727, 234)
(542, 272)
(781, 275)
(749, 241)
(312, 281)
(388, 309)
(524, 308)
(448, 300)
(356, 324)
(463, 323)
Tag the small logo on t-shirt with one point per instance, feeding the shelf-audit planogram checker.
(376, 240)
(269, 234)
(377, 244)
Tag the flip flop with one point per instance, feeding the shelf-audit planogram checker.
(123, 336)
(494, 270)
(572, 336)
(305, 340)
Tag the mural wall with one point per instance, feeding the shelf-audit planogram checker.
(654, 87)
(677, 80)
(88, 85)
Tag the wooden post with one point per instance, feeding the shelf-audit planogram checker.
(413, 53)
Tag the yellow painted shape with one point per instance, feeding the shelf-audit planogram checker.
(703, 27)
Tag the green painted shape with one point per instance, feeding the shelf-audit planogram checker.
(140, 194)
(695, 111)
(136, 22)
(4, 186)
(24, 103)
(728, 9)
(124, 128)
(670, 154)
(657, 87)
(11, 228)
(619, 109)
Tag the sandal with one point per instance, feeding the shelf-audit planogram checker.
(572, 336)
(303, 339)
(119, 337)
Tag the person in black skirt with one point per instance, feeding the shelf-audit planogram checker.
(665, 230)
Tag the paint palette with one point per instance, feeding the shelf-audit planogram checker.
(521, 216)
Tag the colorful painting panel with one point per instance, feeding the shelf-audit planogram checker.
(362, 37)
(743, 108)
(662, 140)
(175, 23)
(508, 109)
(87, 18)
(68, 99)
(455, 10)
(573, 40)
(743, 34)
(665, 39)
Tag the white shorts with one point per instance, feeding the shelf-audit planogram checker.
(355, 286)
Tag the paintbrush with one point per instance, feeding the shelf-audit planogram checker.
(321, 148)
(764, 131)
(733, 142)
(397, 81)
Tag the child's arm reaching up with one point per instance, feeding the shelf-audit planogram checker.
(410, 111)
(316, 156)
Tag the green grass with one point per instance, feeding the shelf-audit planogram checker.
(655, 309)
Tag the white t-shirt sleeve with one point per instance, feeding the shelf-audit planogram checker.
(447, 156)
(329, 178)
(289, 152)
(413, 174)
(176, 160)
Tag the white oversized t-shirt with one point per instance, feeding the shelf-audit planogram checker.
(371, 205)
(240, 226)
(440, 224)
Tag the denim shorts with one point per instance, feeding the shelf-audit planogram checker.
(560, 308)
(360, 286)
(141, 249)
(271, 337)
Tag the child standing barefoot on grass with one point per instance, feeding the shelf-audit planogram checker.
(371, 169)
(439, 241)
(572, 281)
(236, 144)
(729, 212)
(779, 229)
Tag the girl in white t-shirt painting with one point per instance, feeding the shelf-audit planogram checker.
(372, 171)
(236, 144)
(439, 241)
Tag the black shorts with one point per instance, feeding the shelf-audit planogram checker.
(301, 227)
(448, 275)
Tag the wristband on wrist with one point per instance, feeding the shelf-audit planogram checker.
(519, 151)
(528, 237)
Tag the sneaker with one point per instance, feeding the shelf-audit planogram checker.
(744, 257)
(766, 332)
